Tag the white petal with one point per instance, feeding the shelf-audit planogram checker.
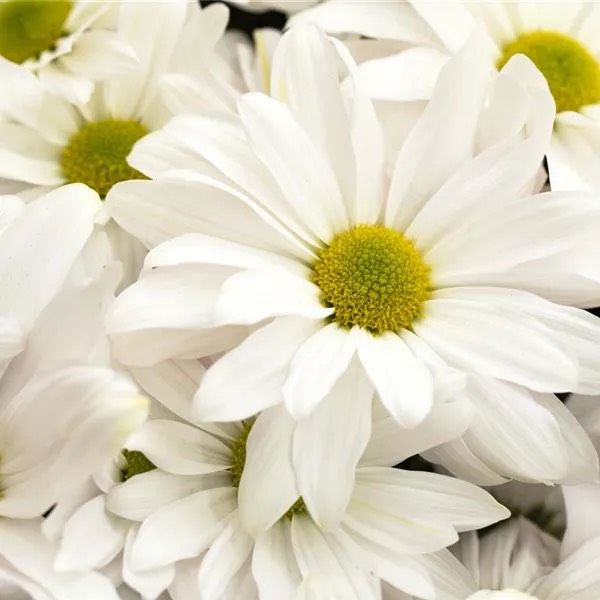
(315, 367)
(100, 54)
(462, 462)
(173, 383)
(306, 177)
(452, 22)
(91, 522)
(403, 382)
(222, 561)
(407, 76)
(249, 378)
(197, 248)
(440, 499)
(152, 31)
(56, 225)
(221, 140)
(443, 138)
(26, 156)
(142, 495)
(377, 19)
(374, 515)
(583, 458)
(328, 445)
(268, 463)
(318, 554)
(179, 448)
(27, 102)
(305, 76)
(366, 201)
(255, 295)
(515, 434)
(582, 521)
(491, 340)
(150, 583)
(402, 571)
(62, 83)
(391, 443)
(12, 338)
(274, 564)
(183, 529)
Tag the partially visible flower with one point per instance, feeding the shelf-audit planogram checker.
(515, 561)
(69, 45)
(47, 141)
(559, 37)
(223, 505)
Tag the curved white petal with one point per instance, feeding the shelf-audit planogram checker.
(268, 463)
(182, 529)
(249, 378)
(90, 522)
(403, 382)
(316, 366)
(328, 445)
(179, 448)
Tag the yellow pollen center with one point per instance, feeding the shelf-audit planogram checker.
(136, 463)
(28, 27)
(373, 277)
(97, 154)
(572, 72)
(238, 462)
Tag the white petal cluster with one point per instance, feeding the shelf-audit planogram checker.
(292, 315)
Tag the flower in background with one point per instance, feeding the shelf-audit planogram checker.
(221, 502)
(559, 37)
(515, 561)
(69, 45)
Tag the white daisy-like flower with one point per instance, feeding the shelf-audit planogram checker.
(47, 141)
(559, 37)
(69, 45)
(223, 506)
(515, 561)
(135, 490)
(300, 236)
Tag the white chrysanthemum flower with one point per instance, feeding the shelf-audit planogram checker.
(300, 236)
(225, 507)
(559, 37)
(515, 561)
(245, 459)
(69, 45)
(46, 141)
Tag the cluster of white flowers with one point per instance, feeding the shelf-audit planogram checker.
(285, 318)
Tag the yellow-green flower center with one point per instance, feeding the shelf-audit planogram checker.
(572, 72)
(28, 27)
(373, 277)
(238, 461)
(136, 463)
(97, 154)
